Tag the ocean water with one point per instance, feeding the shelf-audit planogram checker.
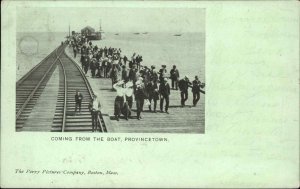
(32, 48)
(187, 51)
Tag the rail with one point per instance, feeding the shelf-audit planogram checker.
(102, 128)
(36, 87)
(65, 98)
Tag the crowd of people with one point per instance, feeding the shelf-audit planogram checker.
(132, 81)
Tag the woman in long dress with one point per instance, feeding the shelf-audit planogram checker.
(139, 97)
(120, 98)
(129, 95)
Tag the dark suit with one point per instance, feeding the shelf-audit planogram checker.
(196, 91)
(139, 98)
(183, 86)
(153, 94)
(174, 73)
(95, 114)
(78, 100)
(124, 75)
(164, 90)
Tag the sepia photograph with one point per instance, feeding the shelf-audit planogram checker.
(149, 94)
(115, 70)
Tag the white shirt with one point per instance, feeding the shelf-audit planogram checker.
(129, 92)
(95, 104)
(120, 90)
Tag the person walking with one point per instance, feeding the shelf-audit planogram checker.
(93, 67)
(82, 60)
(139, 97)
(113, 73)
(164, 91)
(184, 84)
(78, 100)
(75, 50)
(132, 74)
(124, 73)
(162, 73)
(153, 74)
(196, 90)
(120, 98)
(152, 90)
(125, 60)
(86, 64)
(94, 108)
(129, 96)
(174, 73)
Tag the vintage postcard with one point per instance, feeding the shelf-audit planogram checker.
(134, 94)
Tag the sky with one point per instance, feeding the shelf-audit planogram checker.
(112, 19)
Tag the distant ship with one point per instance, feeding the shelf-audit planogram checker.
(177, 34)
(136, 33)
(116, 34)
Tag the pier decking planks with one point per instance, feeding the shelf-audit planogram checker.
(180, 120)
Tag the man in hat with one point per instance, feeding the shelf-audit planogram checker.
(153, 74)
(75, 50)
(196, 90)
(124, 73)
(152, 90)
(113, 73)
(147, 75)
(86, 64)
(93, 67)
(132, 74)
(162, 73)
(125, 60)
(174, 73)
(94, 108)
(164, 91)
(78, 100)
(184, 84)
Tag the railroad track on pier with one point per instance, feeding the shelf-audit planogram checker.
(31, 85)
(72, 78)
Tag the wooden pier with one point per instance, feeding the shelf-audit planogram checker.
(179, 120)
(45, 102)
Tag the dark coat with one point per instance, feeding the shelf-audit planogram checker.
(184, 84)
(174, 73)
(150, 88)
(140, 93)
(78, 98)
(164, 89)
(132, 75)
(124, 75)
(196, 86)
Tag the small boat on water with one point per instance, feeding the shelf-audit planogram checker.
(136, 33)
(116, 34)
(177, 34)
